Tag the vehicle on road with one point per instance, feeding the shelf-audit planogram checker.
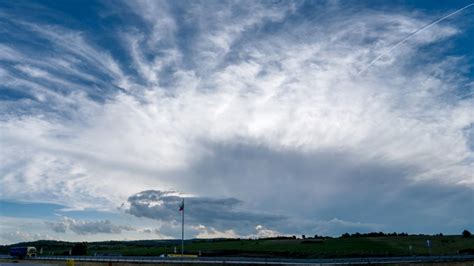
(23, 252)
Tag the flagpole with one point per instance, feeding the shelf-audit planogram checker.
(182, 231)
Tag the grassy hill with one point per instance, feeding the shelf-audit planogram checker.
(354, 246)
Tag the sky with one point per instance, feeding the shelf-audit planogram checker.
(269, 117)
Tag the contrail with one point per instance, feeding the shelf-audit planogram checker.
(412, 35)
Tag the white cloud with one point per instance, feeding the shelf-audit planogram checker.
(250, 80)
(337, 226)
(206, 232)
(210, 232)
(263, 232)
(82, 227)
(122, 227)
(17, 236)
(14, 230)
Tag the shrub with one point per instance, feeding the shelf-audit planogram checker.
(79, 249)
(466, 233)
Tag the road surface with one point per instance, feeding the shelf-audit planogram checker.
(245, 260)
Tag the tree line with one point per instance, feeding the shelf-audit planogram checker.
(465, 234)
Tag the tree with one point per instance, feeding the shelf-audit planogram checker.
(79, 249)
(466, 233)
(303, 236)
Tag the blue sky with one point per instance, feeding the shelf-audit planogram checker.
(269, 117)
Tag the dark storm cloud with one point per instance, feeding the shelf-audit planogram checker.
(215, 212)
(332, 191)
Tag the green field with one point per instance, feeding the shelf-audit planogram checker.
(297, 248)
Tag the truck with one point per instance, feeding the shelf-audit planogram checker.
(23, 252)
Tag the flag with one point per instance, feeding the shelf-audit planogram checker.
(181, 206)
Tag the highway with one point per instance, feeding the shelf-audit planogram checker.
(246, 260)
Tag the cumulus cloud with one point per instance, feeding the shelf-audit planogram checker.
(259, 101)
(151, 231)
(20, 236)
(213, 212)
(263, 232)
(82, 227)
(210, 232)
(338, 227)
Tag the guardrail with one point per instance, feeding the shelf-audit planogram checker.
(247, 260)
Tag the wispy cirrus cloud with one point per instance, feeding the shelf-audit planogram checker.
(254, 101)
